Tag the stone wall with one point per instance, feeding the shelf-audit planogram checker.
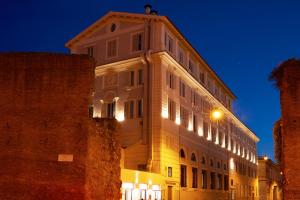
(287, 77)
(49, 146)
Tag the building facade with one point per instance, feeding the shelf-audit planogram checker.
(151, 79)
(269, 180)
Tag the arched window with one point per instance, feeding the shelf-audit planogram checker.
(203, 161)
(193, 157)
(211, 162)
(219, 165)
(182, 154)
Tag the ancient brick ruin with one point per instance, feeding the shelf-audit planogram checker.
(49, 146)
(287, 78)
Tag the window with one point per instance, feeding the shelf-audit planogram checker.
(170, 80)
(137, 42)
(131, 78)
(201, 77)
(193, 157)
(140, 77)
(140, 108)
(204, 179)
(191, 66)
(211, 162)
(205, 129)
(218, 165)
(91, 111)
(169, 171)
(184, 117)
(219, 182)
(203, 161)
(113, 27)
(172, 110)
(212, 180)
(182, 175)
(169, 43)
(214, 134)
(225, 167)
(182, 89)
(226, 141)
(111, 48)
(195, 126)
(182, 154)
(129, 109)
(226, 182)
(110, 110)
(90, 51)
(180, 56)
(195, 177)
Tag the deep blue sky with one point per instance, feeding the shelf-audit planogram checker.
(242, 41)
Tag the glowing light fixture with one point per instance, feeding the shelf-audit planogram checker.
(231, 164)
(120, 116)
(266, 158)
(177, 121)
(127, 185)
(216, 114)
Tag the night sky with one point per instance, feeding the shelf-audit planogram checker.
(241, 40)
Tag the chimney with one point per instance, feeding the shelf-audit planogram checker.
(147, 9)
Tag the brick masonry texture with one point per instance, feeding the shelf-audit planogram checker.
(287, 76)
(44, 100)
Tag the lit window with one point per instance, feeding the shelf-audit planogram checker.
(111, 48)
(137, 42)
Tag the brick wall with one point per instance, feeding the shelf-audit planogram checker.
(44, 102)
(287, 77)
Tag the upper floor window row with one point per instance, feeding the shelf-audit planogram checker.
(137, 44)
(201, 76)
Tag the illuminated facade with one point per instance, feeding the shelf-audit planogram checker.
(269, 179)
(160, 89)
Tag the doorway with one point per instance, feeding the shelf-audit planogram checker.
(170, 193)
